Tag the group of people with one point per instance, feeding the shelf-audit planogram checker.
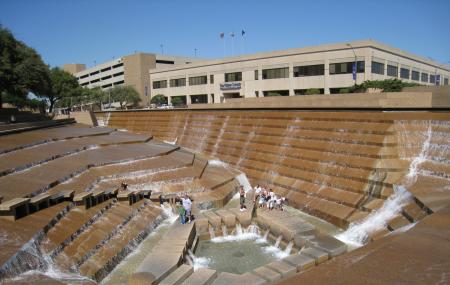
(184, 206)
(268, 199)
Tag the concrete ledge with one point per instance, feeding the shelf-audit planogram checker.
(329, 244)
(285, 269)
(269, 274)
(318, 255)
(202, 276)
(178, 276)
(142, 278)
(301, 262)
(14, 208)
(248, 278)
(228, 218)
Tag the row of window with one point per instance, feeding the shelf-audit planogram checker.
(405, 73)
(308, 70)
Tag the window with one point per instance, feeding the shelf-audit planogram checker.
(212, 98)
(257, 94)
(105, 69)
(432, 78)
(84, 76)
(118, 74)
(309, 70)
(415, 75)
(106, 77)
(178, 82)
(197, 80)
(107, 85)
(256, 74)
(96, 80)
(346, 67)
(377, 68)
(199, 99)
(165, 61)
(445, 81)
(117, 65)
(95, 72)
(235, 76)
(404, 73)
(424, 77)
(119, 83)
(211, 79)
(392, 70)
(275, 73)
(159, 84)
(276, 93)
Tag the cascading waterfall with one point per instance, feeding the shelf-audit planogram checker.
(277, 242)
(197, 262)
(289, 247)
(224, 230)
(212, 234)
(243, 180)
(359, 233)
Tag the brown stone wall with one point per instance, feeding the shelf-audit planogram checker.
(335, 165)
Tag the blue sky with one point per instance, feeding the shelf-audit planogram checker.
(68, 31)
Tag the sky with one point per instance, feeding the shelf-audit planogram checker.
(95, 31)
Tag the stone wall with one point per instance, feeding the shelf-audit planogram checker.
(339, 166)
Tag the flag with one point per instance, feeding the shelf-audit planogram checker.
(232, 34)
(242, 33)
(222, 35)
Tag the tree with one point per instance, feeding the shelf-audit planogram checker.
(159, 99)
(176, 101)
(388, 85)
(62, 85)
(124, 95)
(21, 68)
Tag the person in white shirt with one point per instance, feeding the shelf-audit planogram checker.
(187, 204)
(257, 193)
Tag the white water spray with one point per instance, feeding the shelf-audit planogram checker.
(197, 262)
(358, 234)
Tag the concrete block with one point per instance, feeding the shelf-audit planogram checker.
(159, 265)
(201, 225)
(228, 218)
(329, 244)
(178, 276)
(141, 278)
(318, 255)
(301, 262)
(285, 269)
(202, 276)
(244, 217)
(267, 273)
(213, 219)
(248, 278)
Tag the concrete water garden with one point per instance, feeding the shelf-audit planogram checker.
(365, 188)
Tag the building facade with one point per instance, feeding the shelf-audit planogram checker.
(324, 69)
(130, 70)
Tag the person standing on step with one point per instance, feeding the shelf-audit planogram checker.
(257, 193)
(242, 198)
(182, 212)
(187, 204)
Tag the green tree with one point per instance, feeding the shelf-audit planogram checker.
(63, 85)
(124, 95)
(176, 101)
(159, 99)
(21, 69)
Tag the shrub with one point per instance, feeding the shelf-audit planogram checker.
(159, 99)
(312, 91)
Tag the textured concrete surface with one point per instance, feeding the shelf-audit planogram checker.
(418, 256)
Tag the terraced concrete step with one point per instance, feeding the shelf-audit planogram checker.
(111, 253)
(248, 278)
(178, 276)
(318, 255)
(202, 276)
(300, 261)
(267, 273)
(284, 268)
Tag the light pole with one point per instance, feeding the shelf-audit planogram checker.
(354, 70)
